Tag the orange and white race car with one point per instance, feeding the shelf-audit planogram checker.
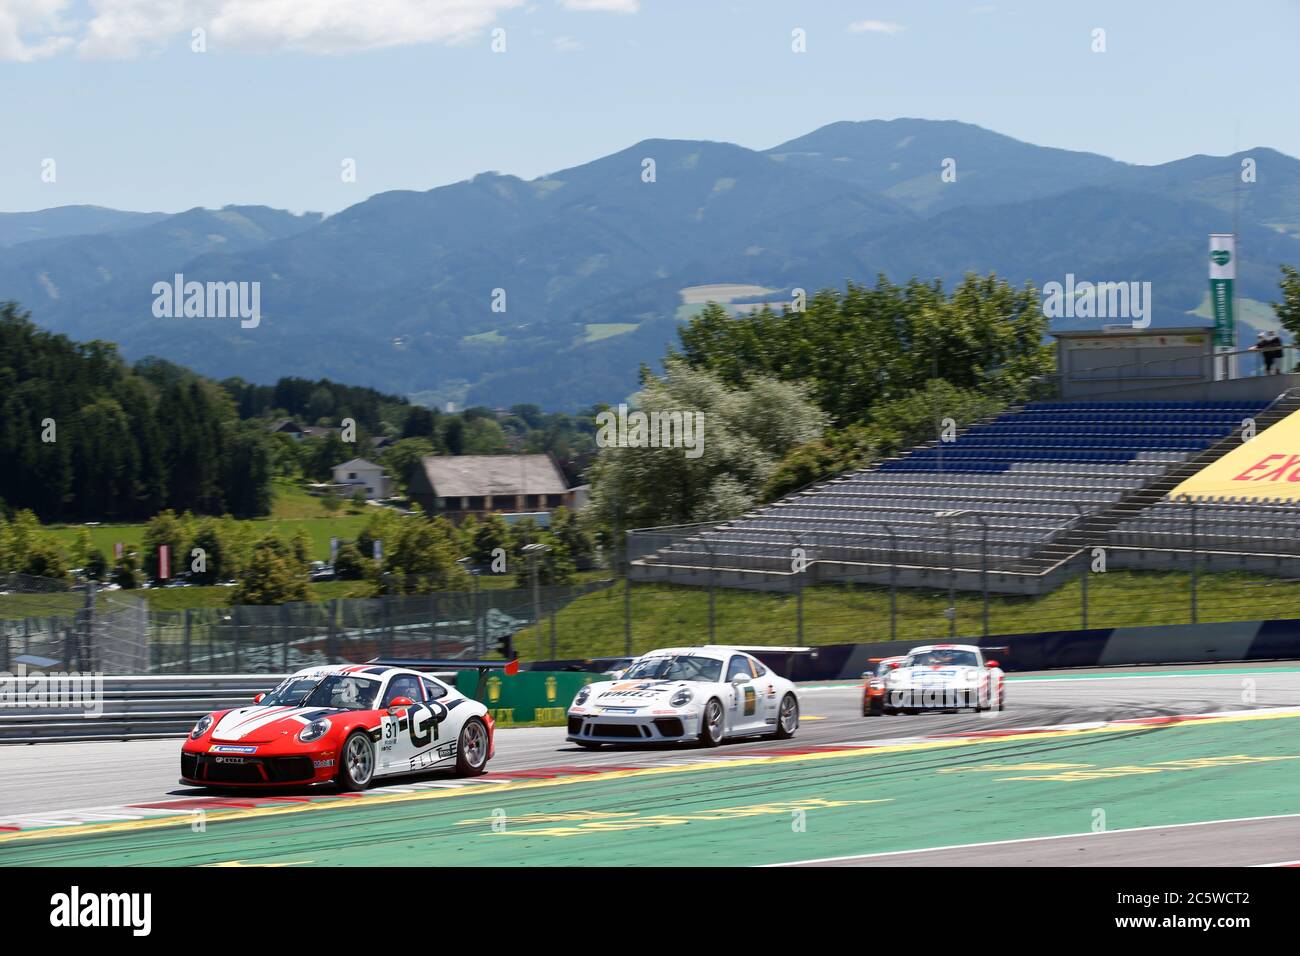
(873, 686)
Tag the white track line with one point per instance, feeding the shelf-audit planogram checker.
(1041, 839)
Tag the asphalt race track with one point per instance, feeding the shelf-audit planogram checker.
(1054, 780)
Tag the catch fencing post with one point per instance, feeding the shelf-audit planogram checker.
(550, 563)
(1191, 502)
(984, 568)
(712, 597)
(433, 624)
(893, 580)
(235, 628)
(627, 592)
(331, 635)
(284, 636)
(1087, 570)
(798, 587)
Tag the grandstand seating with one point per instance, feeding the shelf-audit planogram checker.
(1018, 483)
(1232, 525)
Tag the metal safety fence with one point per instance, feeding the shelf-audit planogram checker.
(1107, 585)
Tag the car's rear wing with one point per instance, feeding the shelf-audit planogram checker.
(484, 668)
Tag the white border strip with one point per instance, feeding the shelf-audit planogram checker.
(1041, 839)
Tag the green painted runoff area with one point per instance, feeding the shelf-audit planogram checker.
(757, 811)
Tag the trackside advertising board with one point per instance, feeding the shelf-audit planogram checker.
(1267, 466)
(527, 697)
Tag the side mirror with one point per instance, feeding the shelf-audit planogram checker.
(258, 698)
(741, 679)
(397, 703)
(990, 663)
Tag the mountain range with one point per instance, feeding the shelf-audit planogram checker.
(498, 290)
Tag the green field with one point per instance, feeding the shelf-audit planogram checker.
(605, 330)
(292, 509)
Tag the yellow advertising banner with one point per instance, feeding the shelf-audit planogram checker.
(1267, 466)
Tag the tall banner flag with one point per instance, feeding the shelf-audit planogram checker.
(378, 549)
(1223, 269)
(334, 550)
(164, 562)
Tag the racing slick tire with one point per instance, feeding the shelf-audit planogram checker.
(356, 762)
(874, 709)
(1002, 700)
(711, 723)
(787, 718)
(472, 748)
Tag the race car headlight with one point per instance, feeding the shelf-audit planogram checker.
(582, 696)
(201, 727)
(681, 698)
(314, 731)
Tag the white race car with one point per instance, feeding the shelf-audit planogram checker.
(944, 677)
(703, 694)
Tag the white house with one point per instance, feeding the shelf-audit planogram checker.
(363, 475)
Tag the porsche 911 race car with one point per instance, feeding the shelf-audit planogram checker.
(704, 694)
(345, 724)
(873, 688)
(944, 677)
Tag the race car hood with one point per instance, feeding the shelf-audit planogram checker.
(634, 693)
(937, 674)
(259, 725)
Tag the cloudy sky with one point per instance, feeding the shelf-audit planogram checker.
(283, 91)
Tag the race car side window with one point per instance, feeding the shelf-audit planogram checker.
(434, 690)
(758, 669)
(403, 685)
(739, 665)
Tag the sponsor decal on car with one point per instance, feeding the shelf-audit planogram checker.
(322, 764)
(231, 749)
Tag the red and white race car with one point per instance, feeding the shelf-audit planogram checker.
(345, 724)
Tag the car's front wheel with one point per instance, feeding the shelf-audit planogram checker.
(472, 748)
(356, 762)
(711, 723)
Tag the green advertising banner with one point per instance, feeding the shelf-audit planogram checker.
(1223, 270)
(529, 697)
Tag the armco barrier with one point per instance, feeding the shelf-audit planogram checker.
(1105, 647)
(118, 708)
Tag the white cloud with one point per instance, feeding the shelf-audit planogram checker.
(604, 6)
(567, 45)
(875, 26)
(32, 29)
(129, 28)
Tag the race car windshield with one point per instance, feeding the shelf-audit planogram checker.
(340, 691)
(945, 657)
(676, 668)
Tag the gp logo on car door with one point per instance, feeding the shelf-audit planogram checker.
(422, 722)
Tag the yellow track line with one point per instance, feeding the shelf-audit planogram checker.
(179, 820)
